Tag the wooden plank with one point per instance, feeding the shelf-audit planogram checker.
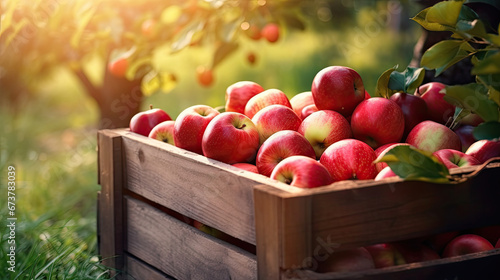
(180, 250)
(206, 190)
(110, 199)
(136, 269)
(483, 265)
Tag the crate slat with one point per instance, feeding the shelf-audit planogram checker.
(136, 269)
(180, 250)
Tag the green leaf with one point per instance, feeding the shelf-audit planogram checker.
(410, 163)
(408, 80)
(83, 20)
(489, 65)
(473, 97)
(293, 21)
(471, 29)
(444, 54)
(487, 131)
(223, 51)
(421, 18)
(467, 14)
(382, 89)
(445, 13)
(154, 82)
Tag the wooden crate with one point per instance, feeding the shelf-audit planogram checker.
(272, 230)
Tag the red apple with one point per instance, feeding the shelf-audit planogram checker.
(190, 126)
(453, 158)
(238, 94)
(357, 259)
(274, 118)
(414, 110)
(164, 131)
(279, 146)
(246, 166)
(382, 150)
(205, 76)
(432, 136)
(498, 244)
(264, 99)
(271, 32)
(385, 255)
(385, 173)
(349, 159)
(466, 244)
(367, 95)
(466, 136)
(378, 121)
(338, 88)
(301, 172)
(414, 252)
(439, 109)
(471, 119)
(119, 67)
(483, 150)
(231, 137)
(309, 109)
(323, 128)
(301, 100)
(143, 122)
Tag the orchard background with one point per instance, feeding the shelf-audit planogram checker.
(69, 68)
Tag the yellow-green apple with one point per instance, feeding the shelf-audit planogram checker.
(483, 150)
(385, 173)
(190, 126)
(453, 158)
(439, 109)
(378, 121)
(349, 159)
(309, 109)
(323, 128)
(413, 252)
(238, 94)
(246, 166)
(465, 132)
(274, 118)
(301, 100)
(143, 122)
(231, 137)
(382, 150)
(466, 244)
(490, 233)
(338, 88)
(432, 136)
(164, 131)
(439, 241)
(385, 255)
(357, 259)
(264, 99)
(301, 172)
(414, 110)
(471, 119)
(279, 146)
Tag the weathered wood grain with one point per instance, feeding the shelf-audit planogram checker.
(110, 198)
(136, 269)
(206, 190)
(180, 250)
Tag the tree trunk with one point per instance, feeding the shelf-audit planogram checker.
(119, 100)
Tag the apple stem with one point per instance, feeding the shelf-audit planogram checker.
(150, 106)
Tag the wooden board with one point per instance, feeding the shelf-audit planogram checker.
(180, 250)
(206, 190)
(137, 269)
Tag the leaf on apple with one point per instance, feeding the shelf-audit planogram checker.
(444, 54)
(473, 97)
(382, 89)
(408, 80)
(487, 131)
(413, 164)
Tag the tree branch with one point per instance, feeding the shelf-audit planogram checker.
(91, 89)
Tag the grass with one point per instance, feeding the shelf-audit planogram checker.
(50, 138)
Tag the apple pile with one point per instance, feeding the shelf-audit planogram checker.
(332, 133)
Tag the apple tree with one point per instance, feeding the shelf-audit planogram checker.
(38, 36)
